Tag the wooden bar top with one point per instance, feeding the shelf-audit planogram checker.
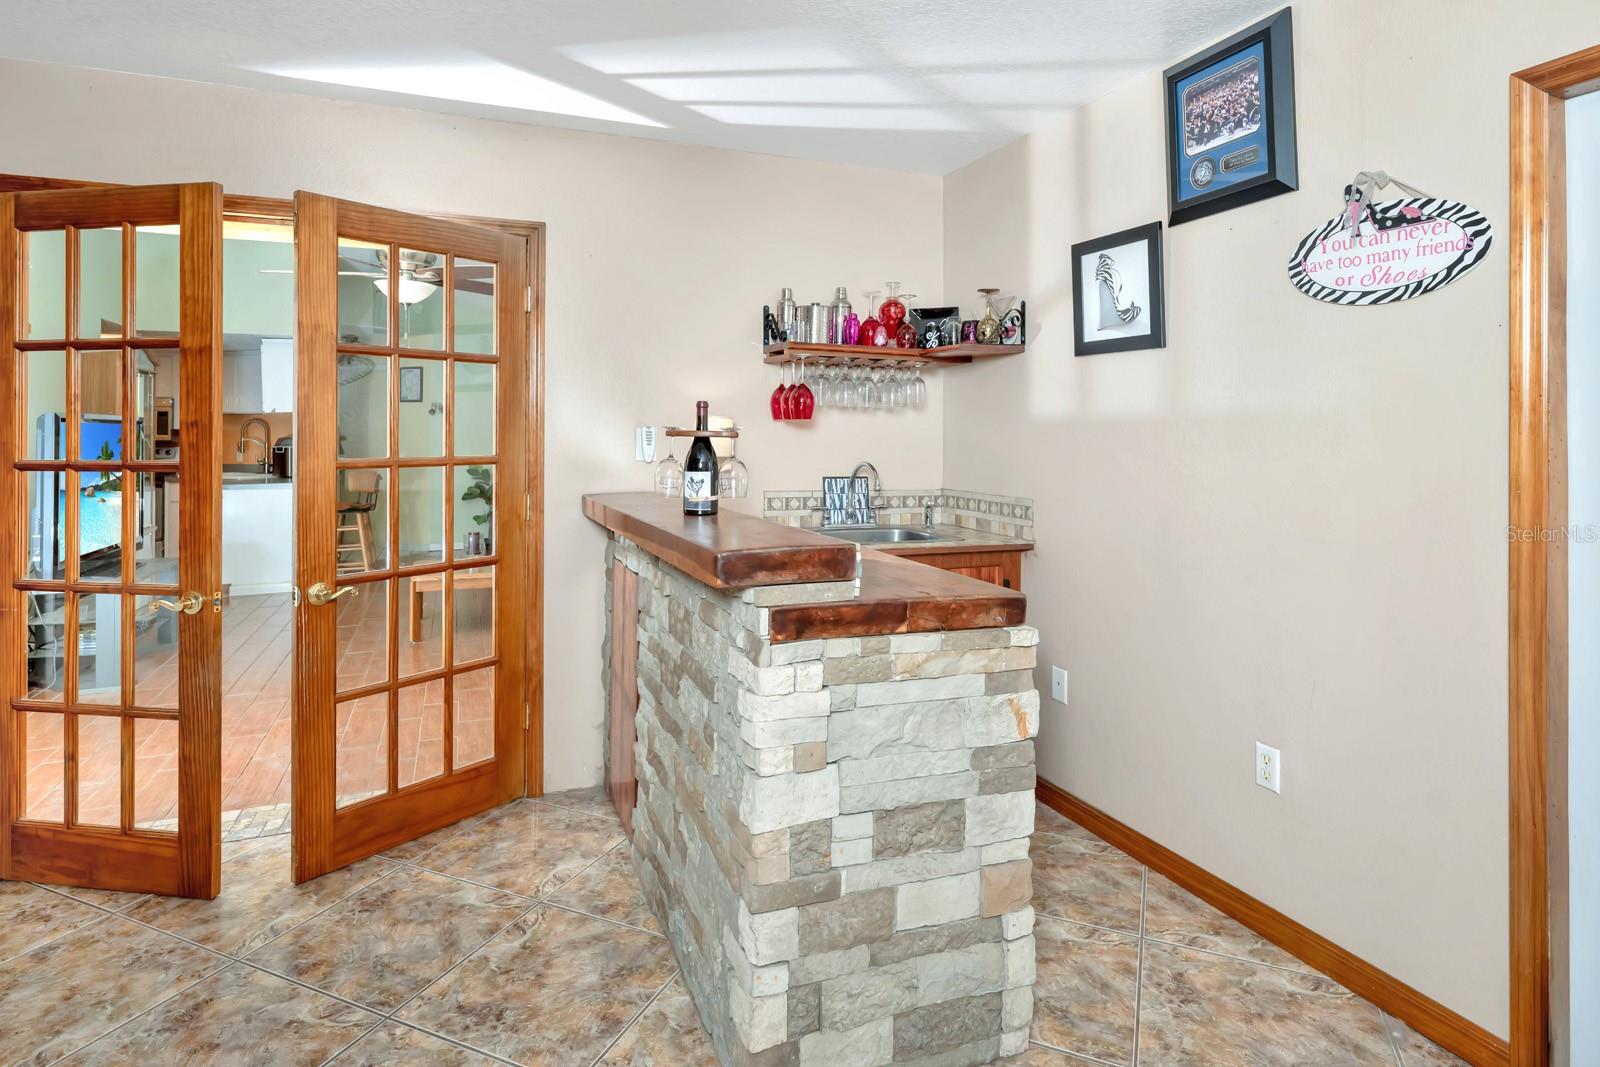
(734, 551)
(901, 596)
(725, 551)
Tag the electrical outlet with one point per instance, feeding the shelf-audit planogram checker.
(644, 444)
(1268, 768)
(1058, 684)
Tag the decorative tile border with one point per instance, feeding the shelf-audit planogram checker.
(1008, 516)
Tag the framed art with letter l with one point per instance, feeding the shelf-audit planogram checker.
(1230, 122)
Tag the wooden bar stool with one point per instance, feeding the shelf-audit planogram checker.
(356, 504)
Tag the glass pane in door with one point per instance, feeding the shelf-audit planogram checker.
(421, 300)
(42, 386)
(155, 291)
(100, 283)
(99, 762)
(45, 261)
(363, 292)
(45, 743)
(474, 307)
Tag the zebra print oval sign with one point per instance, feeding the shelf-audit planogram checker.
(1400, 249)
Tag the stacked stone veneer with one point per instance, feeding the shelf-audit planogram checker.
(834, 834)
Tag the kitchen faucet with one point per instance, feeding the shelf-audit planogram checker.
(875, 487)
(265, 440)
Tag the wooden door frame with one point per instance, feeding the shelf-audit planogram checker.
(1537, 601)
(242, 207)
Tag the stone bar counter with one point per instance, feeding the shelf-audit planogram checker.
(835, 787)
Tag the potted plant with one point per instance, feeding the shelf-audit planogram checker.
(482, 488)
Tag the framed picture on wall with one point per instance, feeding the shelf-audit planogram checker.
(1118, 304)
(1230, 122)
(410, 385)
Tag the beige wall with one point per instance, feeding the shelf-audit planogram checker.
(660, 257)
(1289, 525)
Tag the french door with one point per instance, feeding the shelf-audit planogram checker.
(110, 694)
(412, 451)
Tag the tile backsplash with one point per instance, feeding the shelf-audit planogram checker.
(1008, 516)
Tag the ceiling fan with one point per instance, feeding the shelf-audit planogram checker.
(420, 274)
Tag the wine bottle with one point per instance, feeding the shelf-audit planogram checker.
(700, 469)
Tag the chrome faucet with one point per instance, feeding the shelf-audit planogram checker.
(877, 484)
(264, 441)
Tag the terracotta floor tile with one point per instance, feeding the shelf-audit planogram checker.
(669, 1032)
(390, 939)
(30, 916)
(394, 1045)
(77, 988)
(1200, 1008)
(554, 990)
(238, 1017)
(1085, 880)
(1085, 994)
(524, 848)
(259, 901)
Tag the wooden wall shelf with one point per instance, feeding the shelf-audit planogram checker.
(794, 351)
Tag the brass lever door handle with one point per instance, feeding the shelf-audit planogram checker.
(323, 593)
(188, 604)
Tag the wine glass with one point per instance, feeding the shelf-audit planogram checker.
(802, 401)
(777, 396)
(733, 477)
(919, 388)
(669, 473)
(892, 312)
(872, 331)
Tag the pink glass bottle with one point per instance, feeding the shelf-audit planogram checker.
(852, 329)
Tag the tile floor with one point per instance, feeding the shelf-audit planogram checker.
(519, 937)
(257, 679)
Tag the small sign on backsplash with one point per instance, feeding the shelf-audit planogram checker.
(846, 502)
(1377, 253)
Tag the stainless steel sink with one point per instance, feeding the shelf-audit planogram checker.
(885, 535)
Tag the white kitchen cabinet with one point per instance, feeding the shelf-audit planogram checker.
(257, 535)
(277, 374)
(256, 380)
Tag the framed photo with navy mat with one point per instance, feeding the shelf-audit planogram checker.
(1117, 299)
(1230, 122)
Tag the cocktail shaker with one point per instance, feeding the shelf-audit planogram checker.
(840, 312)
(786, 314)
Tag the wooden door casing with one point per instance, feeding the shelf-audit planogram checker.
(187, 861)
(327, 836)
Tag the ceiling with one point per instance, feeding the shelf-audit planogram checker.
(915, 85)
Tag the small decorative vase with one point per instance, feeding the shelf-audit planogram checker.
(989, 325)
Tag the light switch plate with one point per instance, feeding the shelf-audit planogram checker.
(1058, 684)
(644, 444)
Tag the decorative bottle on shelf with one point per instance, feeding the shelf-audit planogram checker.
(786, 312)
(989, 325)
(841, 314)
(700, 469)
